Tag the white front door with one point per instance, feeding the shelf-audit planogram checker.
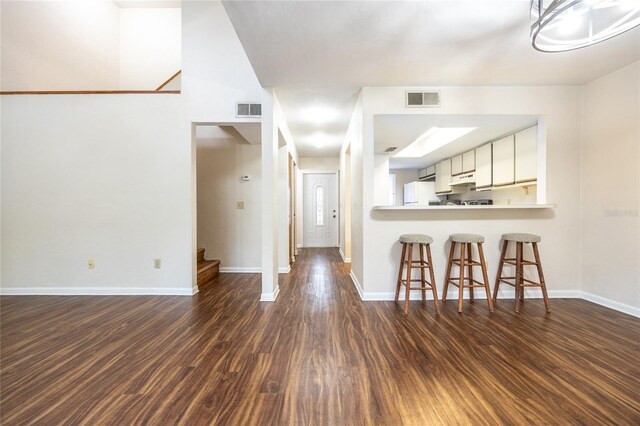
(320, 218)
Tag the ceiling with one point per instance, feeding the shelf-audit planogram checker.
(148, 4)
(318, 54)
(401, 129)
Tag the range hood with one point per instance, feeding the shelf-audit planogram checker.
(463, 179)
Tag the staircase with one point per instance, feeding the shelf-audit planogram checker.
(207, 270)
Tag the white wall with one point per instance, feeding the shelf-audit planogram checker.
(61, 45)
(226, 232)
(105, 177)
(353, 144)
(345, 202)
(112, 177)
(150, 48)
(87, 45)
(216, 71)
(319, 163)
(559, 227)
(610, 201)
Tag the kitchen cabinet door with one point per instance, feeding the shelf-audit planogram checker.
(469, 161)
(483, 166)
(503, 161)
(443, 176)
(431, 170)
(456, 165)
(526, 164)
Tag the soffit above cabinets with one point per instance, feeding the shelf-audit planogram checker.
(400, 130)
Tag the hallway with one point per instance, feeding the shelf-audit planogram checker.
(318, 355)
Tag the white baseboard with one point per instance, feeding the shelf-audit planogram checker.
(358, 286)
(270, 297)
(240, 270)
(453, 295)
(344, 259)
(603, 301)
(98, 291)
(250, 270)
(504, 293)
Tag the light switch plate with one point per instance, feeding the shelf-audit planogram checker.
(91, 264)
(240, 205)
(157, 263)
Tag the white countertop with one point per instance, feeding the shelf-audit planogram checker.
(459, 207)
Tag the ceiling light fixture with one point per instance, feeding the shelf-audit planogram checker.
(562, 25)
(320, 114)
(318, 139)
(432, 139)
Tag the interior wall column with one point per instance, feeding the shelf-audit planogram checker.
(270, 197)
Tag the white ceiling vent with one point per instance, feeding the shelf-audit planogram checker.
(422, 99)
(248, 109)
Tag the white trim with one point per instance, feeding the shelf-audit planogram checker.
(240, 270)
(318, 171)
(344, 259)
(250, 270)
(98, 291)
(270, 297)
(612, 304)
(453, 295)
(358, 286)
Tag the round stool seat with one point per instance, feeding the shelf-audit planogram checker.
(466, 238)
(522, 238)
(415, 239)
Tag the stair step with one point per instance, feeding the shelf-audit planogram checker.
(204, 265)
(207, 271)
(200, 254)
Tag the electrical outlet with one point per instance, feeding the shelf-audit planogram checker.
(240, 205)
(157, 263)
(92, 264)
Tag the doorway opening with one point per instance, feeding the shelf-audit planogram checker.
(320, 209)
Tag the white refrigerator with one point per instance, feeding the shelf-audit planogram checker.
(419, 193)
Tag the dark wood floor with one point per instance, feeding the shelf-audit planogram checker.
(318, 355)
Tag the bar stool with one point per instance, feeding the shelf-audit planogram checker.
(519, 281)
(466, 242)
(424, 243)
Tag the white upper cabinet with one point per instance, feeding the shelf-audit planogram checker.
(456, 165)
(469, 161)
(503, 161)
(483, 162)
(526, 165)
(443, 176)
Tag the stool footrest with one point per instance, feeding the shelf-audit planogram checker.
(530, 283)
(430, 286)
(524, 262)
(466, 262)
(477, 284)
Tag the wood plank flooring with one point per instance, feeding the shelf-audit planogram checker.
(316, 356)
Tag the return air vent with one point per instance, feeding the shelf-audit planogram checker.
(422, 99)
(248, 109)
(391, 149)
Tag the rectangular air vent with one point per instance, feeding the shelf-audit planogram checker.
(391, 149)
(422, 99)
(248, 109)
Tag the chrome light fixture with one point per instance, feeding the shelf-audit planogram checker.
(562, 25)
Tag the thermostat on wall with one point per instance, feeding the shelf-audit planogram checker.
(246, 178)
